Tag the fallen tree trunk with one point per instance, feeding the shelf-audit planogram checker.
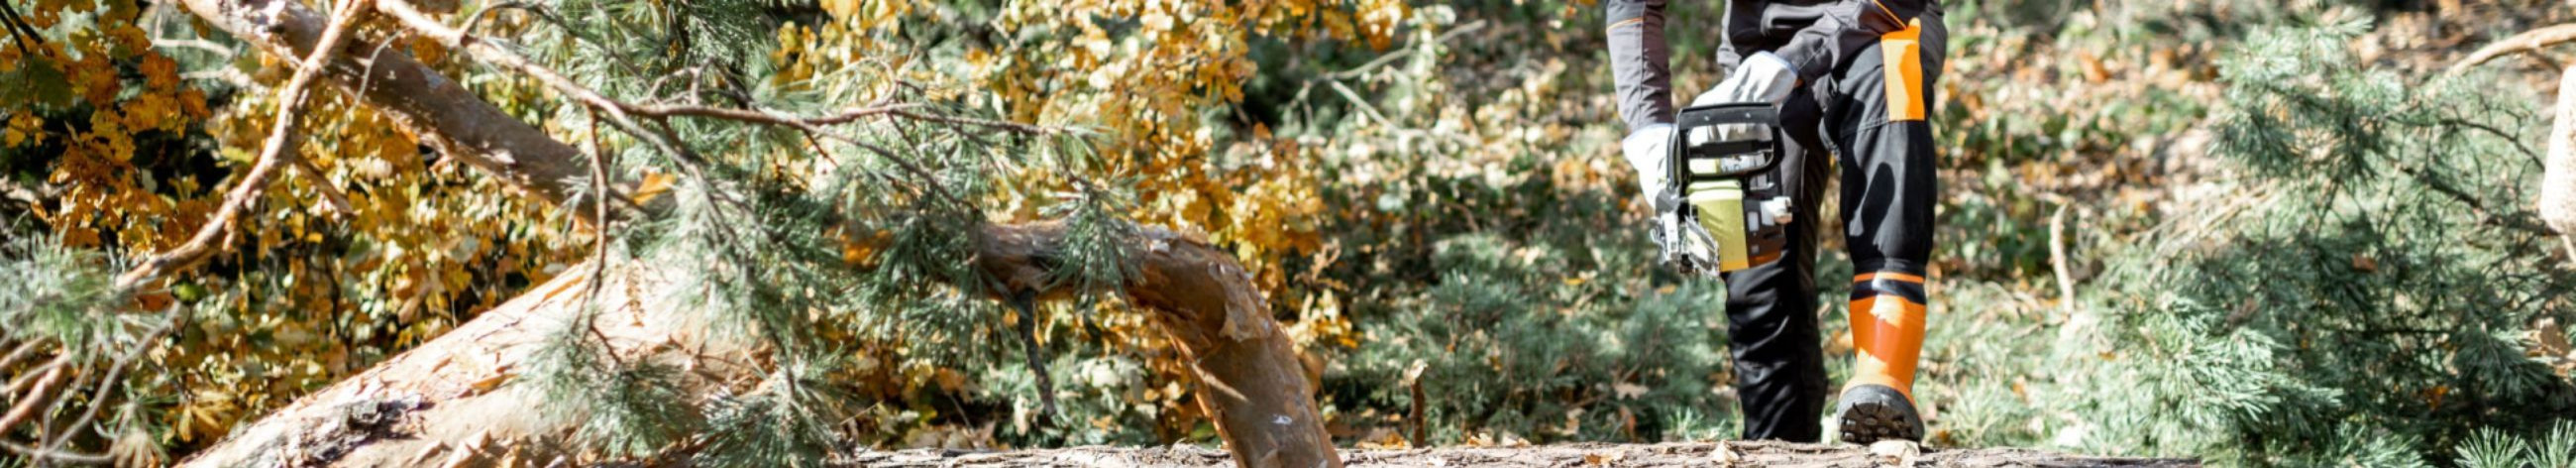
(2558, 172)
(449, 402)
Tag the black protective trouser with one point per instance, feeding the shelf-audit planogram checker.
(1888, 189)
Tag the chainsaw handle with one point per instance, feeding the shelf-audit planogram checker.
(1759, 114)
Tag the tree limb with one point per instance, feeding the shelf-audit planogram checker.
(2528, 41)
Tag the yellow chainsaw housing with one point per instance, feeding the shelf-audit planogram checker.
(1721, 208)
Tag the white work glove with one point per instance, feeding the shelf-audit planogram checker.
(1762, 77)
(1649, 151)
(1646, 150)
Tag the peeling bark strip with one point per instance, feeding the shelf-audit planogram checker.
(447, 403)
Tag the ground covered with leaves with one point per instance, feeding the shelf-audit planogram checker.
(1699, 454)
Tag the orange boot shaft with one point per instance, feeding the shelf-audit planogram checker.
(1887, 312)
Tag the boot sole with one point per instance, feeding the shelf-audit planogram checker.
(1872, 413)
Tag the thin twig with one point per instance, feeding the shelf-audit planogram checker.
(199, 44)
(30, 377)
(2057, 259)
(599, 243)
(36, 397)
(1014, 127)
(290, 101)
(56, 455)
(2569, 240)
(1363, 104)
(2515, 219)
(767, 117)
(332, 197)
(19, 31)
(1391, 57)
(21, 352)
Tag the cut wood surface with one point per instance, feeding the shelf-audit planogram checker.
(1697, 454)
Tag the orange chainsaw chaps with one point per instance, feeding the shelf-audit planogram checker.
(1902, 52)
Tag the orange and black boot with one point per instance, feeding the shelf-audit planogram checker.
(1887, 312)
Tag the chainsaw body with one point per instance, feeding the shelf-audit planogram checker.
(1726, 189)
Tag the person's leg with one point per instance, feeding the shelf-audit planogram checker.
(1880, 122)
(1771, 308)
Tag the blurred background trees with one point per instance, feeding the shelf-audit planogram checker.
(2288, 241)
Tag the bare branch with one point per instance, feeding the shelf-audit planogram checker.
(2532, 41)
(199, 44)
(36, 397)
(21, 352)
(332, 197)
(764, 116)
(1014, 127)
(56, 455)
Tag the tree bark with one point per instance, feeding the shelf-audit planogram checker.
(449, 402)
(2558, 170)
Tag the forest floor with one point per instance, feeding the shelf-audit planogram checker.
(1765, 454)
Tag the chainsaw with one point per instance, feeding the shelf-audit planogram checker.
(1723, 209)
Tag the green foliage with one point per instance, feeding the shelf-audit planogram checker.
(51, 291)
(2490, 448)
(2558, 449)
(620, 410)
(2371, 275)
(1553, 357)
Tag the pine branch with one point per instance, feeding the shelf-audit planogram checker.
(98, 397)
